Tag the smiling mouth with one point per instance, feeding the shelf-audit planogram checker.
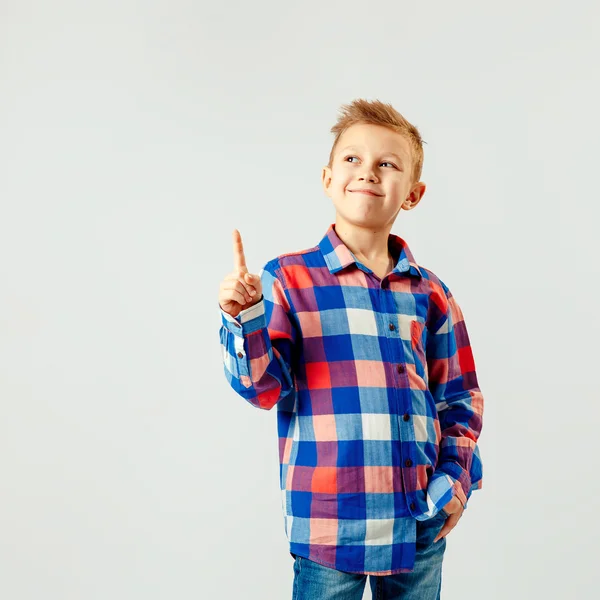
(366, 193)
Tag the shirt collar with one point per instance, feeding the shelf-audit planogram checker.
(338, 256)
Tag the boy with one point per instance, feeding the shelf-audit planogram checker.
(367, 357)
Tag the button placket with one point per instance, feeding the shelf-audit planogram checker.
(395, 339)
(400, 369)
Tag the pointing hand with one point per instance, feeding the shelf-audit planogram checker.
(239, 289)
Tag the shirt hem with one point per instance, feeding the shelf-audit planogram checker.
(324, 563)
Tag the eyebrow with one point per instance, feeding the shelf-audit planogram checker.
(383, 153)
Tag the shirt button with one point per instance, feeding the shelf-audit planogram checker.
(406, 416)
(412, 506)
(392, 327)
(408, 462)
(400, 368)
(240, 355)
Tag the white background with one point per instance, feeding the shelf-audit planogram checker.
(134, 136)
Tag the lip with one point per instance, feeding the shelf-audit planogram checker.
(369, 192)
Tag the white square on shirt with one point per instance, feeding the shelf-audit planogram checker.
(420, 423)
(361, 321)
(376, 426)
(379, 532)
(404, 325)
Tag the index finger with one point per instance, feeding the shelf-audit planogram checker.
(239, 260)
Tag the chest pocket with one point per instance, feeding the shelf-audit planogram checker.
(417, 343)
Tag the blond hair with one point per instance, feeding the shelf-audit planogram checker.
(377, 113)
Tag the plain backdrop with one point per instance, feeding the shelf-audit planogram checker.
(135, 135)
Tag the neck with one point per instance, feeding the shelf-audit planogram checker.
(371, 245)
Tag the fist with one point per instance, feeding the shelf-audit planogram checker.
(239, 289)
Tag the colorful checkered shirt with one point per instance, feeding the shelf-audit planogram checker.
(378, 406)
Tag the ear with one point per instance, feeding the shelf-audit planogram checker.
(415, 196)
(326, 179)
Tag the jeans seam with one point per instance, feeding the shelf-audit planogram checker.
(296, 578)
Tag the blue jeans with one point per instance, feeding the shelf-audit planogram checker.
(313, 581)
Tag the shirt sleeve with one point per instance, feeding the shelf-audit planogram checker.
(453, 384)
(258, 345)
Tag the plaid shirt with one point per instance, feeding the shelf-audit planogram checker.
(378, 405)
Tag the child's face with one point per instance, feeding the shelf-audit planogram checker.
(376, 158)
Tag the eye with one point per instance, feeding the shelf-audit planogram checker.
(382, 163)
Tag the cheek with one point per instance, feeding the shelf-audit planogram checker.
(342, 174)
(344, 180)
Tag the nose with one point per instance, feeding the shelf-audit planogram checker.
(368, 174)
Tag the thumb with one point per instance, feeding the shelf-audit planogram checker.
(253, 280)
